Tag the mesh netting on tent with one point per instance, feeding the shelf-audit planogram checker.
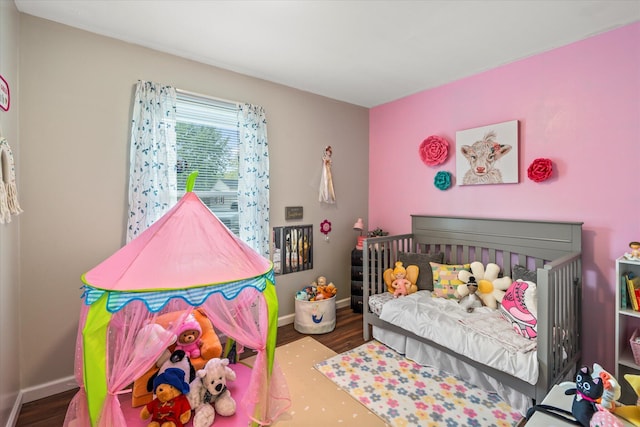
(186, 260)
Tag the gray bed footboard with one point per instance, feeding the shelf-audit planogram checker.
(552, 249)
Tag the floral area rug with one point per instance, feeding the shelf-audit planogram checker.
(404, 393)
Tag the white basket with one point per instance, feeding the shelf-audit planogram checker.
(315, 317)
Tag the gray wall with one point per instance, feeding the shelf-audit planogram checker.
(75, 108)
(10, 233)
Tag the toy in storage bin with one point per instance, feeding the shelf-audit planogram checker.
(315, 317)
(635, 346)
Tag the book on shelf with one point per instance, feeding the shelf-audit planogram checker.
(633, 286)
(624, 302)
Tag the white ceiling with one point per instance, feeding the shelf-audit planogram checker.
(362, 52)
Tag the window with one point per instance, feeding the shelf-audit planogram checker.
(207, 141)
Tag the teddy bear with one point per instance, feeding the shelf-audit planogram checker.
(189, 334)
(209, 393)
(170, 408)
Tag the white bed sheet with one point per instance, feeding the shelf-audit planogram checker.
(438, 319)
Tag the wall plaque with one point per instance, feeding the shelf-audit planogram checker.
(292, 212)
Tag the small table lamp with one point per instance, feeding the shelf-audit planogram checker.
(359, 225)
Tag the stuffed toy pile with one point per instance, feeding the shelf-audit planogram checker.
(209, 393)
(595, 399)
(318, 290)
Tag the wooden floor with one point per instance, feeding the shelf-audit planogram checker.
(50, 411)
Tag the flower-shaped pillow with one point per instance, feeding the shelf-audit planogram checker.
(491, 288)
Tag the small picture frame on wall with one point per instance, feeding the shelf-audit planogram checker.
(488, 154)
(293, 212)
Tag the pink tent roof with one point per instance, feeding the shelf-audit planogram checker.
(188, 247)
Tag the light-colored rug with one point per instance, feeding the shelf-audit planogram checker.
(405, 393)
(315, 400)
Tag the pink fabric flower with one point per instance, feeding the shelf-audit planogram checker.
(540, 170)
(434, 150)
(325, 227)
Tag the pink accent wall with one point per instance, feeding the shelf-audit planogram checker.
(578, 105)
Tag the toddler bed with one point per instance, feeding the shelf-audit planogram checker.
(481, 346)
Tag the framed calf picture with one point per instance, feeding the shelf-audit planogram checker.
(488, 154)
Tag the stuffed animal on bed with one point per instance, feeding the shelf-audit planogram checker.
(587, 392)
(471, 301)
(401, 281)
(491, 287)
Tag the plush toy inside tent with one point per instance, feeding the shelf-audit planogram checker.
(186, 265)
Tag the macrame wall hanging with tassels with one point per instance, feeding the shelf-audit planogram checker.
(8, 193)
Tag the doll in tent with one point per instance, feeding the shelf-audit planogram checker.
(327, 195)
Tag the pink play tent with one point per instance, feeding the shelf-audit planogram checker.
(186, 259)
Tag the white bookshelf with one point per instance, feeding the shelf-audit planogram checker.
(627, 320)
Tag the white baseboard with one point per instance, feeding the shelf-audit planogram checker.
(15, 411)
(41, 391)
(30, 394)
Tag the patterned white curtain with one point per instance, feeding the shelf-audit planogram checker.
(253, 178)
(152, 175)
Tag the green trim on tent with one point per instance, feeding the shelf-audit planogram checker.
(272, 331)
(191, 181)
(94, 336)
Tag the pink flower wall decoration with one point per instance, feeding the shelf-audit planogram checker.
(540, 170)
(434, 150)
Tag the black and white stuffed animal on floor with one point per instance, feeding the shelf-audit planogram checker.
(179, 360)
(586, 392)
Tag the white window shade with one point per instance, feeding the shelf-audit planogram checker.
(207, 141)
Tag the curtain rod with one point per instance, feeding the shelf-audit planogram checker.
(213, 98)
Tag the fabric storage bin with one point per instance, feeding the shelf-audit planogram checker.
(635, 346)
(315, 317)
